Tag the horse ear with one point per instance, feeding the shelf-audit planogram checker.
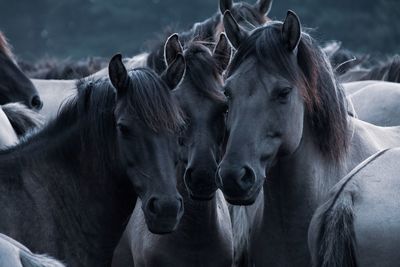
(173, 75)
(118, 74)
(172, 48)
(234, 32)
(222, 53)
(291, 31)
(225, 5)
(264, 6)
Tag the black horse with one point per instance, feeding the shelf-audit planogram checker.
(15, 86)
(68, 191)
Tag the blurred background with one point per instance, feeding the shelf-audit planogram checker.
(83, 28)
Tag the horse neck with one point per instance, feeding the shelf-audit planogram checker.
(86, 202)
(294, 188)
(200, 216)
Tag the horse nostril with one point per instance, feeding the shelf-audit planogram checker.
(247, 180)
(152, 206)
(36, 102)
(180, 199)
(188, 175)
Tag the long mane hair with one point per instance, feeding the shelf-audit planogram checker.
(202, 70)
(323, 96)
(86, 122)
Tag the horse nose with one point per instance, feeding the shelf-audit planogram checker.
(165, 207)
(200, 182)
(36, 102)
(235, 182)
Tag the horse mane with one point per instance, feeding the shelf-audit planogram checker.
(246, 16)
(323, 96)
(88, 117)
(204, 31)
(200, 66)
(5, 47)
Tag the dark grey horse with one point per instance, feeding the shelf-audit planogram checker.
(14, 85)
(359, 224)
(69, 190)
(204, 237)
(288, 134)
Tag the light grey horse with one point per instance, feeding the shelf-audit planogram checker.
(14, 254)
(288, 133)
(360, 223)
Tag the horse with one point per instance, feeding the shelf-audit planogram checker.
(386, 71)
(14, 254)
(358, 224)
(14, 85)
(204, 235)
(69, 189)
(209, 30)
(288, 135)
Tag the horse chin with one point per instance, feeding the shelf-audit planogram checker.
(202, 197)
(244, 201)
(161, 227)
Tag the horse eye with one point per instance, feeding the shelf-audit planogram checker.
(123, 129)
(283, 94)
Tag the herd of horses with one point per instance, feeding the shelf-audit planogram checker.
(235, 143)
